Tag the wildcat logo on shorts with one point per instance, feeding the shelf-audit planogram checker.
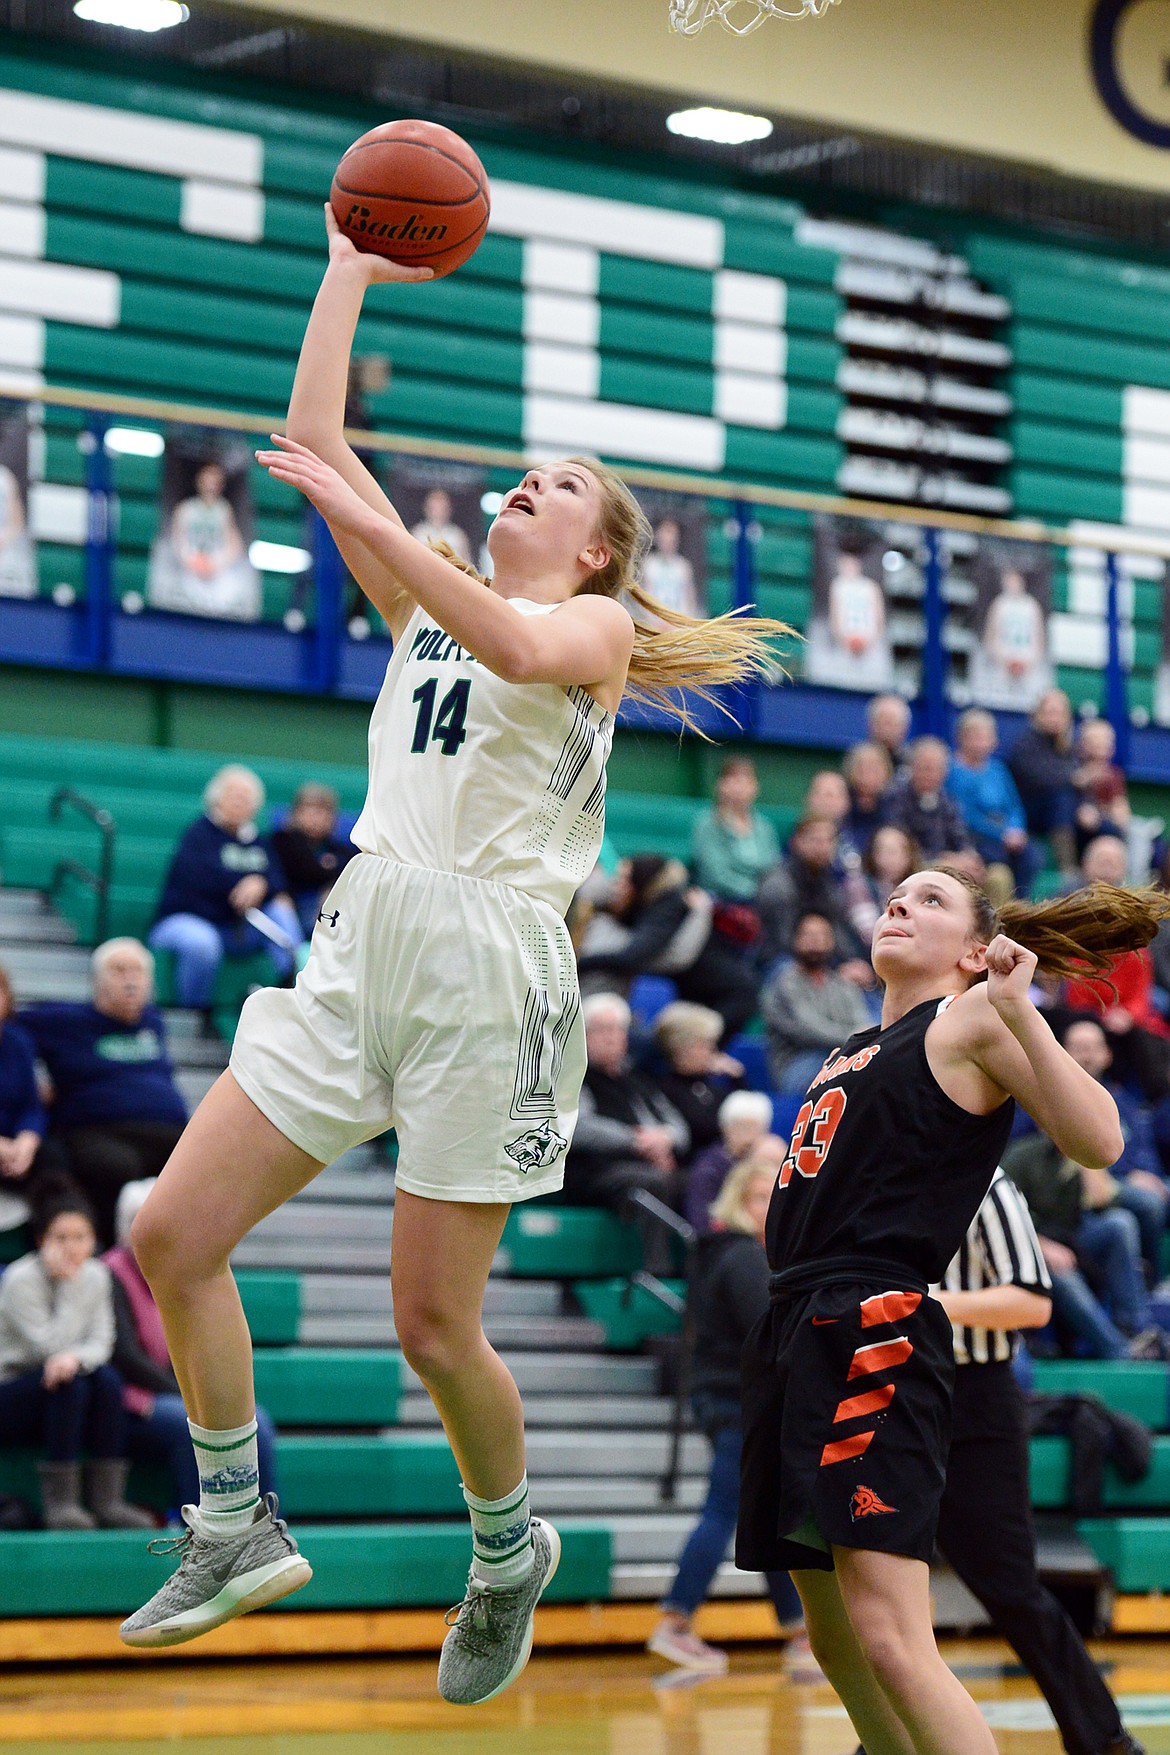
(537, 1149)
(865, 1503)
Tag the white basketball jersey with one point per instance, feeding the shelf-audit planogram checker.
(480, 777)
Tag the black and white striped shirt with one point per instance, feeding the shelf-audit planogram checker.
(1000, 1249)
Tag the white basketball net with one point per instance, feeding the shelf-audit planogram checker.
(740, 16)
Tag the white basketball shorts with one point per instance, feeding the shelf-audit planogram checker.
(445, 1007)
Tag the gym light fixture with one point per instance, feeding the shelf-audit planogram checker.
(724, 127)
(148, 15)
(279, 557)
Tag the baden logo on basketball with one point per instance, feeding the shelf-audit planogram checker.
(537, 1149)
(865, 1503)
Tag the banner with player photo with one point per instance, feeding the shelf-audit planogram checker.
(199, 559)
(18, 560)
(854, 640)
(1009, 662)
(674, 572)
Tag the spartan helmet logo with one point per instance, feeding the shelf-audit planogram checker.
(536, 1149)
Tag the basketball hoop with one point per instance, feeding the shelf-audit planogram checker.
(689, 16)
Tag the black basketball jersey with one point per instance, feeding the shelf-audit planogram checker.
(882, 1163)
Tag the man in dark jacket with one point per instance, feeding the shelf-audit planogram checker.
(1042, 764)
(628, 1135)
(918, 804)
(806, 882)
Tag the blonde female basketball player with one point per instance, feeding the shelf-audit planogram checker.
(440, 995)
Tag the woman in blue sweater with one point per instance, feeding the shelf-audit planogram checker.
(982, 787)
(224, 893)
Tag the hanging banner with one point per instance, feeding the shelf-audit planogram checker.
(674, 573)
(199, 560)
(1009, 657)
(850, 642)
(18, 561)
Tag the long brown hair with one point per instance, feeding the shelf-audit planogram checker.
(672, 652)
(1077, 936)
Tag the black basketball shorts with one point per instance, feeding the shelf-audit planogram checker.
(847, 1414)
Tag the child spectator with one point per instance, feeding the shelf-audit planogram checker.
(1123, 998)
(1104, 800)
(887, 720)
(809, 1008)
(697, 1074)
(58, 1390)
(888, 861)
(310, 851)
(982, 787)
(919, 803)
(116, 1108)
(732, 845)
(224, 874)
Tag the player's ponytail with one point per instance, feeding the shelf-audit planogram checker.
(672, 651)
(1079, 935)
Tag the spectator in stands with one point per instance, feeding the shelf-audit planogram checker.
(744, 1120)
(1083, 1244)
(1104, 800)
(224, 894)
(1135, 1182)
(116, 1108)
(1123, 999)
(1042, 765)
(982, 787)
(628, 1135)
(728, 1296)
(868, 772)
(808, 1007)
(58, 1390)
(22, 1114)
(698, 1075)
(888, 861)
(806, 882)
(919, 803)
(310, 851)
(732, 845)
(827, 795)
(671, 932)
(157, 1430)
(887, 720)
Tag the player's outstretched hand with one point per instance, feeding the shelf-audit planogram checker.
(1010, 970)
(377, 269)
(333, 497)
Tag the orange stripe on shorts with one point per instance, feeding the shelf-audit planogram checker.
(868, 1403)
(879, 1356)
(843, 1448)
(889, 1307)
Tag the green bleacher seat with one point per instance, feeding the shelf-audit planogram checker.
(1051, 1460)
(1131, 1386)
(629, 1314)
(393, 1474)
(328, 1386)
(1135, 1549)
(569, 1243)
(272, 1305)
(357, 1566)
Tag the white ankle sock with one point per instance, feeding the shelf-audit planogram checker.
(501, 1535)
(229, 1478)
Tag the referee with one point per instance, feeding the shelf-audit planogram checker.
(996, 1284)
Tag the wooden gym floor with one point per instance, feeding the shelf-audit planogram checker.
(600, 1703)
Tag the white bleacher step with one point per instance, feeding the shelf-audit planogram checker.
(188, 1044)
(582, 1496)
(614, 1454)
(303, 1255)
(193, 1084)
(24, 919)
(582, 1374)
(47, 971)
(326, 1222)
(614, 1413)
(649, 1581)
(647, 1537)
(369, 1295)
(573, 1333)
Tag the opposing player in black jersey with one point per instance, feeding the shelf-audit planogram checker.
(847, 1380)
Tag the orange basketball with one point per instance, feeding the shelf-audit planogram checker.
(413, 192)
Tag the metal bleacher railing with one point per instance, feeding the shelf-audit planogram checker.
(99, 630)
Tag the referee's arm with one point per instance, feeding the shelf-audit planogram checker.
(1006, 1241)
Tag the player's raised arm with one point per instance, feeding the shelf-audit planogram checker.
(316, 410)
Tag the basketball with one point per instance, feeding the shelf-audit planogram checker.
(413, 192)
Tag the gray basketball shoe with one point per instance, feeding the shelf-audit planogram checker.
(219, 1578)
(491, 1636)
